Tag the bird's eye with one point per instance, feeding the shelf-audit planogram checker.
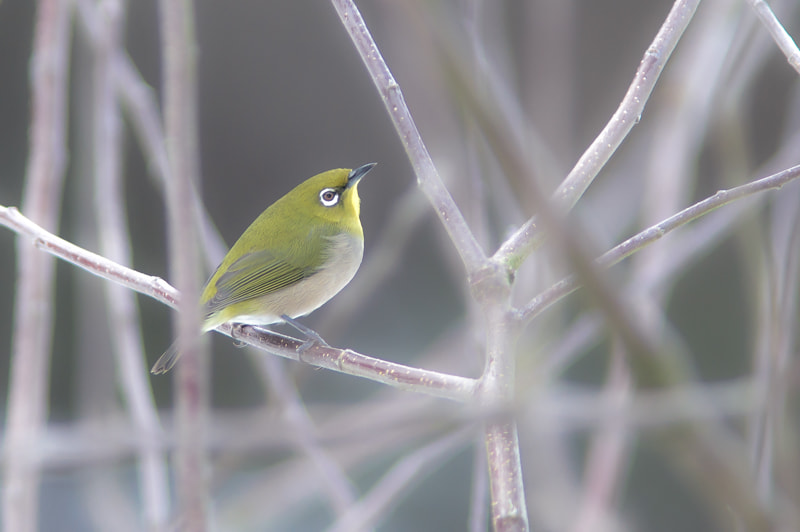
(329, 197)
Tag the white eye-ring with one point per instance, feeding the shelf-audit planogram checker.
(329, 197)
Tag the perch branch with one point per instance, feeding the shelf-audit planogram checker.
(345, 361)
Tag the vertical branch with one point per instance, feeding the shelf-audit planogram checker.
(480, 490)
(33, 306)
(114, 244)
(509, 511)
(180, 108)
(490, 286)
(606, 458)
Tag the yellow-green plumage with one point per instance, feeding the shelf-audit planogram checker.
(300, 252)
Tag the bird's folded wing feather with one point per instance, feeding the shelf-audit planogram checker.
(255, 274)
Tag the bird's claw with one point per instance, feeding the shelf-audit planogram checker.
(313, 338)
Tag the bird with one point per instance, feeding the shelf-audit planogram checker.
(299, 253)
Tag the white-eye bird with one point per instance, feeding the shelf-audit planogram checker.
(299, 253)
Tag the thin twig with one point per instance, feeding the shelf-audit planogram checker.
(347, 361)
(340, 490)
(527, 237)
(651, 234)
(427, 176)
(141, 108)
(388, 491)
(33, 306)
(606, 457)
(778, 32)
(93, 263)
(114, 244)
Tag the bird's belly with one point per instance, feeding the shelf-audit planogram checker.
(309, 294)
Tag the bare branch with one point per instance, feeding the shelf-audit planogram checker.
(778, 32)
(527, 237)
(651, 234)
(427, 176)
(347, 361)
(114, 244)
(33, 306)
(93, 263)
(180, 126)
(385, 495)
(341, 360)
(341, 492)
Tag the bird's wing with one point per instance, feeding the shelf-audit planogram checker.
(255, 274)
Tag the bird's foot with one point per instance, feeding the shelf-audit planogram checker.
(237, 331)
(313, 338)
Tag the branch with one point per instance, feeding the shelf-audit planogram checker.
(387, 492)
(778, 32)
(93, 263)
(527, 238)
(641, 240)
(345, 361)
(339, 489)
(428, 178)
(27, 406)
(113, 234)
(180, 127)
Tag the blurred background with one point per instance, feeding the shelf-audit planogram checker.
(282, 96)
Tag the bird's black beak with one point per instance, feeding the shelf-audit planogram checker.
(356, 175)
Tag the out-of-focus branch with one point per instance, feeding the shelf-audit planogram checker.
(33, 306)
(606, 457)
(142, 110)
(778, 32)
(114, 244)
(388, 491)
(180, 127)
(427, 176)
(479, 492)
(527, 238)
(340, 491)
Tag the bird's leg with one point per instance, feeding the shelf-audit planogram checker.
(312, 337)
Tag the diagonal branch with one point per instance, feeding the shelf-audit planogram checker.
(527, 238)
(644, 238)
(427, 176)
(778, 32)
